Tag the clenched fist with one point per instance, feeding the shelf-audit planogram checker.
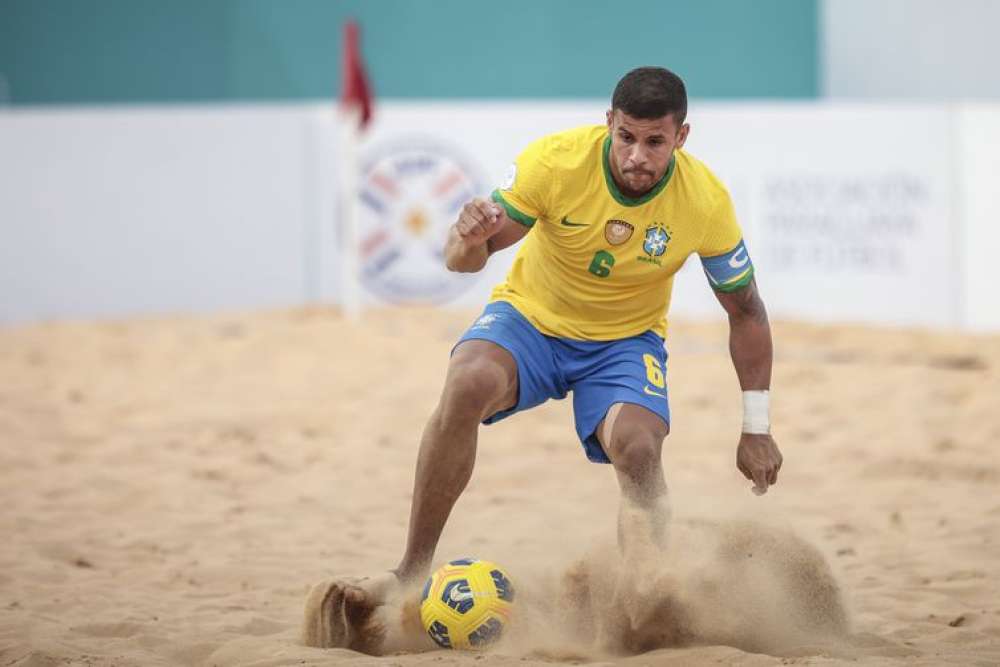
(479, 220)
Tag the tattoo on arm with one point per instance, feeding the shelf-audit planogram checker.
(745, 304)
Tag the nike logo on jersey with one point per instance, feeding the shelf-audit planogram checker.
(567, 223)
(653, 393)
(738, 263)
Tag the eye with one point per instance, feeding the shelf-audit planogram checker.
(626, 137)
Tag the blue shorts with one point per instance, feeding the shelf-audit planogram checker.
(599, 373)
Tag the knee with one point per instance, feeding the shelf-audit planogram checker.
(473, 389)
(636, 451)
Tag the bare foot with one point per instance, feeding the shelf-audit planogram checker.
(345, 613)
(655, 616)
(642, 613)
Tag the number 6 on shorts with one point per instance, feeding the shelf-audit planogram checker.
(654, 372)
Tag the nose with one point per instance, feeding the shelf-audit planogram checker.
(636, 155)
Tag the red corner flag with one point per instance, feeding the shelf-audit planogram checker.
(355, 84)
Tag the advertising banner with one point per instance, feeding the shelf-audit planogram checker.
(846, 216)
(868, 213)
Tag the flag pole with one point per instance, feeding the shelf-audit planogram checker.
(350, 289)
(356, 111)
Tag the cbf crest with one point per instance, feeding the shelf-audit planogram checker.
(655, 243)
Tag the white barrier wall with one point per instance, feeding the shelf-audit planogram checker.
(978, 184)
(113, 212)
(880, 214)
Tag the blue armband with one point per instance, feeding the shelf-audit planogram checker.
(730, 271)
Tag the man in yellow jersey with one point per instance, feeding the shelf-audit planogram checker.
(608, 214)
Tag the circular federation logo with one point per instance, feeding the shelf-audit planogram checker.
(411, 192)
(617, 232)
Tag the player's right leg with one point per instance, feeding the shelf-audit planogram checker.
(374, 614)
(500, 366)
(482, 380)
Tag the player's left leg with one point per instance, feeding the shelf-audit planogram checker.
(632, 436)
(622, 417)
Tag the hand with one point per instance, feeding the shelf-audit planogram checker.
(478, 221)
(759, 460)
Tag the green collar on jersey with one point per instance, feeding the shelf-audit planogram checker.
(613, 187)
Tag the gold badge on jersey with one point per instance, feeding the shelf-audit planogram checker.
(617, 232)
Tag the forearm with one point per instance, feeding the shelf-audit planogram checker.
(757, 455)
(750, 348)
(463, 257)
(750, 343)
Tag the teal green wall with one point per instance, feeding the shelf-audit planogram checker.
(99, 51)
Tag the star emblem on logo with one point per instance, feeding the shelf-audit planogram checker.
(655, 243)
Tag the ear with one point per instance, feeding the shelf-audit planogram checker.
(609, 117)
(682, 135)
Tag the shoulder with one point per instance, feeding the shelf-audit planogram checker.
(709, 202)
(568, 149)
(699, 181)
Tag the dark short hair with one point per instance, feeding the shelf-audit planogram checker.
(651, 92)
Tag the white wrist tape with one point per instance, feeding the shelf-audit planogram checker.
(757, 411)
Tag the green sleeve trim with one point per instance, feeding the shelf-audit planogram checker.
(738, 285)
(512, 212)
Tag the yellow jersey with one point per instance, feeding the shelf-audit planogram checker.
(597, 265)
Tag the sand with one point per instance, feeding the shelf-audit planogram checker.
(172, 487)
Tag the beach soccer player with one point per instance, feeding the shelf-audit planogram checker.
(608, 214)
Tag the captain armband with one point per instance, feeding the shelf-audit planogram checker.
(730, 271)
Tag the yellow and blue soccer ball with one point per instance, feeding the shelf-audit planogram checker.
(467, 604)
